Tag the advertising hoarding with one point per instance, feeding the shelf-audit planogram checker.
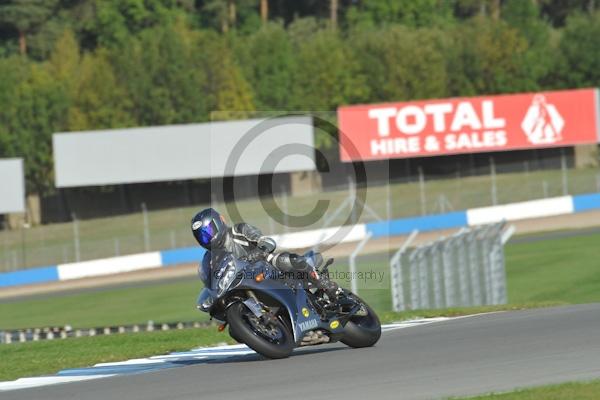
(469, 125)
(12, 181)
(179, 152)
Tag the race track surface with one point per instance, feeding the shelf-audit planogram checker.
(492, 352)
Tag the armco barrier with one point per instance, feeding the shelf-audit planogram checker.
(586, 202)
(181, 256)
(426, 223)
(29, 276)
(477, 216)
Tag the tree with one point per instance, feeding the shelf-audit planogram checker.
(264, 10)
(99, 102)
(25, 16)
(267, 60)
(406, 12)
(230, 94)
(400, 63)
(579, 63)
(326, 75)
(541, 53)
(40, 109)
(164, 75)
(487, 57)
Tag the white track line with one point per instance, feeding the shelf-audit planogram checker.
(195, 356)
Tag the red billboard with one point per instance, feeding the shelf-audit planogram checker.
(469, 125)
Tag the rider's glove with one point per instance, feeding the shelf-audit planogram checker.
(254, 256)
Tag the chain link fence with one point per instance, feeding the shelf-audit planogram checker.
(465, 269)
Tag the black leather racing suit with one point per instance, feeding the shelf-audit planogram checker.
(241, 241)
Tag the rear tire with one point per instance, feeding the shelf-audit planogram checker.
(240, 319)
(362, 331)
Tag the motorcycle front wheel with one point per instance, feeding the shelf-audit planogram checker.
(270, 338)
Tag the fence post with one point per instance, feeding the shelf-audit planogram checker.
(474, 274)
(461, 259)
(117, 247)
(352, 196)
(424, 278)
(413, 260)
(449, 272)
(76, 237)
(504, 237)
(388, 202)
(352, 261)
(422, 192)
(486, 265)
(146, 227)
(493, 179)
(284, 203)
(437, 264)
(396, 279)
(173, 239)
(563, 167)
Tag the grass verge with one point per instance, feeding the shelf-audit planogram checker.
(573, 390)
(41, 358)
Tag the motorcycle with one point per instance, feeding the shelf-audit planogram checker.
(273, 313)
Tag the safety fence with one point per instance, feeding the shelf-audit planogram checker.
(465, 269)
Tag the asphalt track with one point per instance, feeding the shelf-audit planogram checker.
(467, 356)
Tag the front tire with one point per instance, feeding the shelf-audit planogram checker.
(362, 331)
(273, 340)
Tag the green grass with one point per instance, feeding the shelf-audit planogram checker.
(566, 391)
(163, 302)
(47, 357)
(107, 237)
(565, 270)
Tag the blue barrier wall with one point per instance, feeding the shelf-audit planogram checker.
(586, 202)
(424, 223)
(29, 276)
(180, 256)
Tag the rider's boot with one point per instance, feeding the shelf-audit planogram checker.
(331, 288)
(321, 282)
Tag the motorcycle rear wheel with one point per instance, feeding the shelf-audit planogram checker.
(362, 331)
(273, 340)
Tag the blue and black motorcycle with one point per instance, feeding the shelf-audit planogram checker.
(273, 312)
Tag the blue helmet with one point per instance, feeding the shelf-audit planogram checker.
(209, 228)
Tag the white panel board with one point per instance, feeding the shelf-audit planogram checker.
(12, 182)
(523, 210)
(179, 152)
(109, 266)
(310, 238)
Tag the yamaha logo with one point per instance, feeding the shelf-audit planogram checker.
(310, 324)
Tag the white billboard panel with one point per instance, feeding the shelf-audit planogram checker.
(179, 152)
(12, 182)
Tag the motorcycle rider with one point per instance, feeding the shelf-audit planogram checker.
(241, 240)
